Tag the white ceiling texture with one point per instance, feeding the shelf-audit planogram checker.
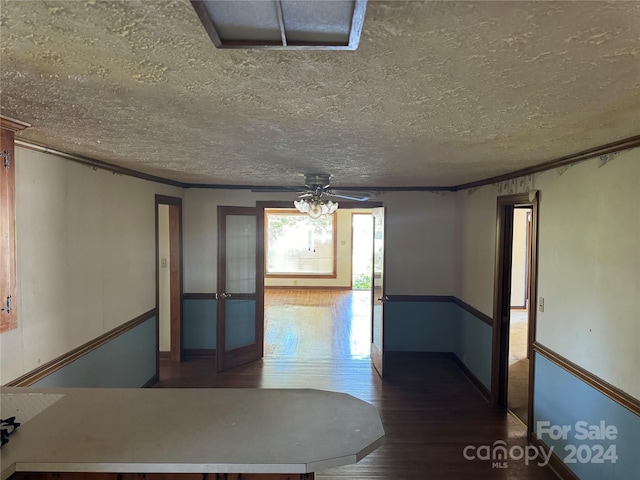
(437, 94)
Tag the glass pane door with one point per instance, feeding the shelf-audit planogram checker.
(378, 291)
(240, 286)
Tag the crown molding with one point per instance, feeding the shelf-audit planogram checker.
(96, 163)
(581, 156)
(13, 124)
(620, 145)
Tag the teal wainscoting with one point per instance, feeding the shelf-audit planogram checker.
(474, 345)
(127, 360)
(563, 400)
(421, 326)
(440, 324)
(199, 322)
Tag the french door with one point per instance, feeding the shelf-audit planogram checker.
(240, 311)
(378, 290)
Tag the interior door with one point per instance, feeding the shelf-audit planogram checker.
(378, 290)
(240, 326)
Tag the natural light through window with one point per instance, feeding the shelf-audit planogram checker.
(298, 245)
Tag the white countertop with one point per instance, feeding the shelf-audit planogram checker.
(190, 430)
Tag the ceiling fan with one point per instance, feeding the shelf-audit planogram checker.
(317, 186)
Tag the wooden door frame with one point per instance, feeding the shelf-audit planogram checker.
(175, 253)
(501, 300)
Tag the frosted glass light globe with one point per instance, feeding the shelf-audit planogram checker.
(315, 210)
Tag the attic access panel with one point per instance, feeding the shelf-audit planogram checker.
(283, 24)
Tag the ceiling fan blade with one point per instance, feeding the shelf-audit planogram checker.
(355, 196)
(278, 189)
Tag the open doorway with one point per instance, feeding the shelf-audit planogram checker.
(361, 250)
(169, 276)
(518, 369)
(515, 287)
(322, 315)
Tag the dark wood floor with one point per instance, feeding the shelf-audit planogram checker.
(428, 407)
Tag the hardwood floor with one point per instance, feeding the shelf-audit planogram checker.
(317, 323)
(430, 410)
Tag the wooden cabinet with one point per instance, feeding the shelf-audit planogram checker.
(8, 303)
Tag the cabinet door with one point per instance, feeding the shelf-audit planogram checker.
(8, 303)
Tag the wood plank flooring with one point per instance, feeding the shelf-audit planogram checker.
(430, 410)
(317, 323)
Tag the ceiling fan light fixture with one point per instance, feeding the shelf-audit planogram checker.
(315, 210)
(330, 206)
(315, 207)
(302, 206)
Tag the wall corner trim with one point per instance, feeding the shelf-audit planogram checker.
(484, 391)
(473, 311)
(420, 298)
(48, 368)
(604, 387)
(152, 382)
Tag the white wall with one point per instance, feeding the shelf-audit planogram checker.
(478, 243)
(85, 257)
(422, 243)
(200, 233)
(588, 268)
(421, 239)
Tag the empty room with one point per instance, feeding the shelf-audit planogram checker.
(277, 239)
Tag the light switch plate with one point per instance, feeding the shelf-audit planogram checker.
(541, 304)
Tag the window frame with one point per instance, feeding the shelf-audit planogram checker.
(294, 212)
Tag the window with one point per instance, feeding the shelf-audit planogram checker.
(299, 246)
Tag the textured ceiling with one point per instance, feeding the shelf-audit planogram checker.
(438, 93)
